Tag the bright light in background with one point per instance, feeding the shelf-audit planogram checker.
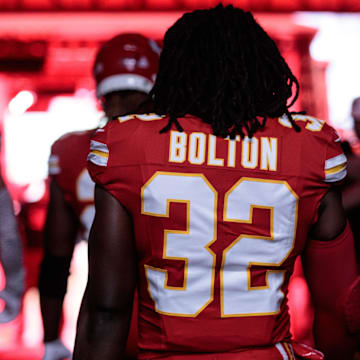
(22, 101)
(29, 135)
(337, 42)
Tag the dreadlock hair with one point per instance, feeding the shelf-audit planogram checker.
(220, 65)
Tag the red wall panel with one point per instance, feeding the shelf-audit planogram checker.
(148, 5)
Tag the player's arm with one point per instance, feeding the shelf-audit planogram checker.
(330, 268)
(104, 318)
(60, 232)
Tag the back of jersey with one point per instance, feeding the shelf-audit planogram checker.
(218, 224)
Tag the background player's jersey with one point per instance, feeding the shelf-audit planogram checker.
(67, 167)
(218, 224)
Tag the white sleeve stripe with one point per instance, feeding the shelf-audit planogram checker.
(282, 351)
(335, 176)
(335, 161)
(54, 170)
(53, 159)
(336, 169)
(53, 165)
(98, 146)
(97, 159)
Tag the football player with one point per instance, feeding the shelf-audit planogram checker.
(205, 205)
(351, 188)
(125, 68)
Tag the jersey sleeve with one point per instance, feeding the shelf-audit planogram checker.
(335, 161)
(112, 147)
(58, 159)
(98, 155)
(54, 162)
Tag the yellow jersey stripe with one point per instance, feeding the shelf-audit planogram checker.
(100, 153)
(289, 351)
(335, 169)
(282, 351)
(336, 176)
(98, 158)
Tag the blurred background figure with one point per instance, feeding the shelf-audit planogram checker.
(355, 113)
(351, 187)
(124, 70)
(11, 271)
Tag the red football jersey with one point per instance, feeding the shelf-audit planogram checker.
(67, 167)
(218, 224)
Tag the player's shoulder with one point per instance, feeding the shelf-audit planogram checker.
(321, 146)
(121, 134)
(140, 118)
(69, 150)
(311, 127)
(124, 127)
(72, 138)
(137, 122)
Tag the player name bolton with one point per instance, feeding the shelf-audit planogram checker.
(198, 148)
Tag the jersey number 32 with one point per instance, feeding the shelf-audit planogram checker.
(238, 296)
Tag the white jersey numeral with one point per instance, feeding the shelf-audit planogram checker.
(238, 296)
(191, 245)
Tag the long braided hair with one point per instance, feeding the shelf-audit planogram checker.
(220, 65)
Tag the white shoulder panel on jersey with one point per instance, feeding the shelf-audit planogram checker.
(99, 153)
(335, 168)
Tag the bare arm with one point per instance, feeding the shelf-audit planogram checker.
(330, 267)
(351, 196)
(104, 318)
(61, 228)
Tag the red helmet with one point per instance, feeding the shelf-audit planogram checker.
(126, 62)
